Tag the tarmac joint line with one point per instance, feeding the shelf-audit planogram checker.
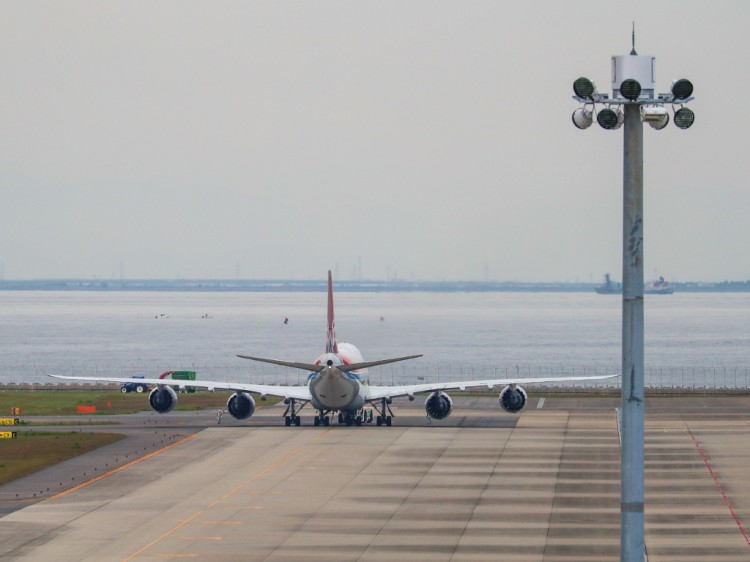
(157, 539)
(119, 468)
(184, 522)
(720, 487)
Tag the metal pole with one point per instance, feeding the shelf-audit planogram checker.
(632, 543)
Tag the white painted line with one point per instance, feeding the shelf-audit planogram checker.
(540, 404)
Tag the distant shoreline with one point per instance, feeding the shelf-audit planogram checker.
(370, 286)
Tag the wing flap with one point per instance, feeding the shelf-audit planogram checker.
(377, 392)
(296, 392)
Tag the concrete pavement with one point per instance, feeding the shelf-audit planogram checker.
(542, 486)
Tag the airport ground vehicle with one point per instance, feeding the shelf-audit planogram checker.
(180, 376)
(135, 386)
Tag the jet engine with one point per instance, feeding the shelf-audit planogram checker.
(241, 405)
(438, 405)
(162, 399)
(513, 399)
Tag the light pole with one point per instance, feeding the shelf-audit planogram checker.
(633, 102)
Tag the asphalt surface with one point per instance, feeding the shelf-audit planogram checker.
(481, 485)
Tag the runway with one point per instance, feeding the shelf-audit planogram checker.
(542, 486)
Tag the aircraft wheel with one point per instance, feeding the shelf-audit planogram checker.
(358, 420)
(287, 421)
(388, 421)
(316, 421)
(327, 421)
(341, 417)
(297, 421)
(379, 421)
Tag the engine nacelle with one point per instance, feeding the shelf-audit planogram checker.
(438, 405)
(513, 399)
(241, 405)
(162, 399)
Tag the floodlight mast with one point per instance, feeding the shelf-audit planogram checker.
(633, 101)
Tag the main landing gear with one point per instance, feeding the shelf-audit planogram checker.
(290, 415)
(384, 412)
(321, 419)
(324, 417)
(350, 418)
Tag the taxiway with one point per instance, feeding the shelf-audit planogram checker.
(484, 485)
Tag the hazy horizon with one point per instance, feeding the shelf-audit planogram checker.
(356, 280)
(415, 139)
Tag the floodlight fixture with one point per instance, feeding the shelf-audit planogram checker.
(655, 115)
(682, 89)
(630, 89)
(610, 119)
(584, 88)
(684, 118)
(583, 117)
(633, 102)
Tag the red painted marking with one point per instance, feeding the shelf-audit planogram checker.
(86, 409)
(720, 488)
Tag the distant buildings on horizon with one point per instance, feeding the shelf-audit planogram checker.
(286, 285)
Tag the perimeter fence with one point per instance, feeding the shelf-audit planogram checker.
(665, 378)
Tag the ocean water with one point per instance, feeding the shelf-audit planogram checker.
(692, 339)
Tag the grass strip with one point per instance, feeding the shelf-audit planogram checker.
(32, 451)
(66, 402)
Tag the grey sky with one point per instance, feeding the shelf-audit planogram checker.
(430, 139)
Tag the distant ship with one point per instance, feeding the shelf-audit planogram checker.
(609, 287)
(658, 287)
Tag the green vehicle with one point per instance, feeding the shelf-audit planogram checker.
(180, 376)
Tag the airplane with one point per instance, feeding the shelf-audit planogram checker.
(338, 383)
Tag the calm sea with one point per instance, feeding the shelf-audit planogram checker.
(692, 339)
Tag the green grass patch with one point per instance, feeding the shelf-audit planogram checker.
(76, 423)
(66, 402)
(32, 451)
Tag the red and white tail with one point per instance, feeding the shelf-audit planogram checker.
(331, 346)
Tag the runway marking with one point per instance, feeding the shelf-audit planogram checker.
(228, 494)
(222, 522)
(177, 555)
(119, 468)
(720, 487)
(157, 539)
(268, 468)
(186, 538)
(540, 404)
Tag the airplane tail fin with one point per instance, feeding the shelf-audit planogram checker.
(331, 346)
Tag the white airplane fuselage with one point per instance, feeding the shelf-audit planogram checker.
(335, 388)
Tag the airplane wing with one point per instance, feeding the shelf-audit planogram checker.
(296, 392)
(378, 392)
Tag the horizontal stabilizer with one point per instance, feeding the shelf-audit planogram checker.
(366, 364)
(310, 367)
